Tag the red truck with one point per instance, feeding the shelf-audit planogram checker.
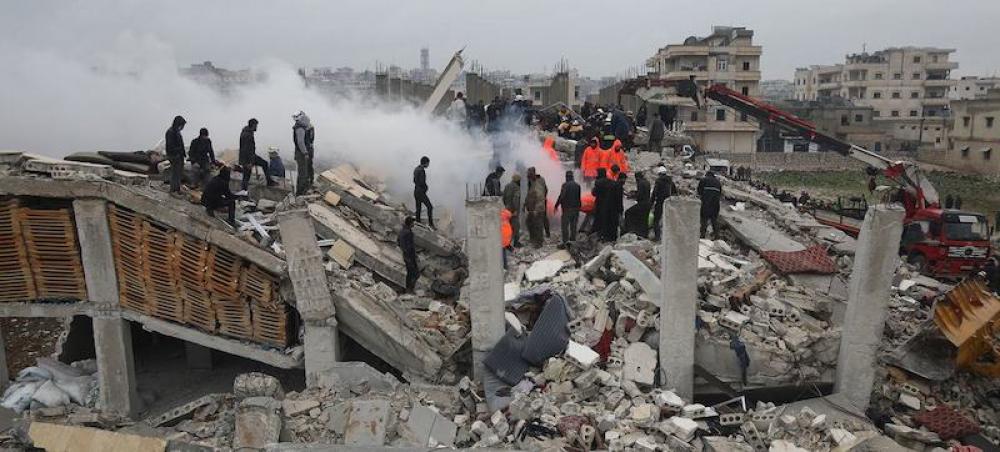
(941, 242)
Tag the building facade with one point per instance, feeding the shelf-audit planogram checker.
(837, 117)
(973, 137)
(973, 87)
(907, 88)
(727, 56)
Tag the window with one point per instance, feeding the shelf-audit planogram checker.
(878, 76)
(966, 121)
(538, 95)
(915, 95)
(913, 113)
(745, 90)
(916, 59)
(746, 65)
(937, 140)
(895, 113)
(722, 65)
(743, 117)
(859, 118)
(913, 128)
(987, 153)
(966, 88)
(965, 152)
(989, 121)
(934, 58)
(844, 121)
(895, 95)
(897, 76)
(876, 114)
(694, 116)
(720, 115)
(877, 95)
(916, 76)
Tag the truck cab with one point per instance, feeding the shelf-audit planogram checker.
(947, 243)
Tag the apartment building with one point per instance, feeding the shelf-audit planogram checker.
(907, 88)
(974, 136)
(973, 87)
(726, 56)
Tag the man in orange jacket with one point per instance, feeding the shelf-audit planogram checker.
(506, 233)
(617, 157)
(591, 159)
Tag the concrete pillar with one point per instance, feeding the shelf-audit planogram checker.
(679, 296)
(4, 371)
(868, 303)
(197, 356)
(486, 305)
(112, 334)
(312, 293)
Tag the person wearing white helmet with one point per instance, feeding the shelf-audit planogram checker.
(663, 188)
(303, 135)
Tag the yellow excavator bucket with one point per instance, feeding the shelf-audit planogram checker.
(969, 316)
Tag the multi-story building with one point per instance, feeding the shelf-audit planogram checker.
(727, 56)
(776, 90)
(906, 86)
(973, 87)
(835, 117)
(973, 136)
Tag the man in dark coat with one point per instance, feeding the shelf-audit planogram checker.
(657, 129)
(492, 186)
(569, 199)
(420, 190)
(533, 177)
(637, 216)
(217, 196)
(604, 206)
(303, 135)
(618, 200)
(710, 192)
(662, 189)
(512, 202)
(534, 205)
(202, 156)
(173, 144)
(249, 157)
(409, 249)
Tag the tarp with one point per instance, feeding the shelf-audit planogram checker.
(811, 260)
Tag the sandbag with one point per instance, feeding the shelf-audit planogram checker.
(132, 167)
(78, 389)
(50, 395)
(18, 396)
(128, 157)
(89, 157)
(33, 374)
(60, 371)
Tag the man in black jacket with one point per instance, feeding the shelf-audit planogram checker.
(173, 143)
(512, 202)
(420, 190)
(217, 196)
(637, 216)
(201, 155)
(710, 192)
(409, 249)
(303, 135)
(604, 206)
(662, 189)
(492, 187)
(249, 157)
(569, 199)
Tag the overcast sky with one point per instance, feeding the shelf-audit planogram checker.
(598, 37)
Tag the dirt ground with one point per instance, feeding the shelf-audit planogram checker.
(27, 339)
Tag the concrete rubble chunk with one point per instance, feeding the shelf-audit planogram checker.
(681, 427)
(258, 423)
(544, 269)
(296, 407)
(724, 444)
(342, 253)
(782, 445)
(366, 423)
(430, 429)
(581, 355)
(256, 384)
(639, 363)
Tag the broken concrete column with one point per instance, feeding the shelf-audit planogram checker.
(868, 303)
(197, 356)
(112, 334)
(679, 293)
(4, 371)
(486, 305)
(312, 293)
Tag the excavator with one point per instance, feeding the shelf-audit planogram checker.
(940, 242)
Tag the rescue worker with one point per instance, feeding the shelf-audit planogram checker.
(618, 206)
(492, 186)
(534, 205)
(303, 134)
(506, 234)
(581, 145)
(512, 202)
(569, 199)
(603, 191)
(457, 111)
(173, 144)
(710, 192)
(657, 129)
(420, 190)
(201, 155)
(533, 178)
(218, 196)
(591, 160)
(274, 163)
(637, 216)
(409, 249)
(249, 158)
(617, 157)
(662, 189)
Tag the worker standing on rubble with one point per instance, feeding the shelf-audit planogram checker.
(533, 178)
(657, 129)
(249, 157)
(569, 199)
(218, 196)
(201, 155)
(662, 189)
(618, 205)
(303, 134)
(457, 111)
(512, 202)
(603, 191)
(420, 190)
(618, 158)
(409, 249)
(534, 205)
(506, 234)
(591, 160)
(492, 186)
(173, 144)
(637, 216)
(710, 192)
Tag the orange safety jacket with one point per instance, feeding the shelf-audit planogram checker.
(506, 231)
(550, 148)
(590, 161)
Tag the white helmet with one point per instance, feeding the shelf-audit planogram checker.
(518, 97)
(661, 170)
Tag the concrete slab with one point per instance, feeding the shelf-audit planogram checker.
(430, 429)
(647, 279)
(385, 261)
(366, 423)
(758, 235)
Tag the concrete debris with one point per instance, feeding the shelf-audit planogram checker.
(256, 384)
(258, 423)
(51, 384)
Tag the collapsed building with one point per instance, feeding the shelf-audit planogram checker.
(775, 328)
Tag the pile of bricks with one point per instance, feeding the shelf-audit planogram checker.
(49, 235)
(16, 281)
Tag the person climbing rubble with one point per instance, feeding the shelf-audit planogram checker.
(303, 134)
(218, 196)
(492, 185)
(710, 192)
(249, 158)
(409, 249)
(569, 199)
(512, 202)
(662, 189)
(201, 155)
(420, 190)
(173, 144)
(534, 205)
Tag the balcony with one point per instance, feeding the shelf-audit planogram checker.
(941, 66)
(931, 82)
(936, 101)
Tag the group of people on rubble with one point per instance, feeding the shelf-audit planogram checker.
(490, 117)
(216, 193)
